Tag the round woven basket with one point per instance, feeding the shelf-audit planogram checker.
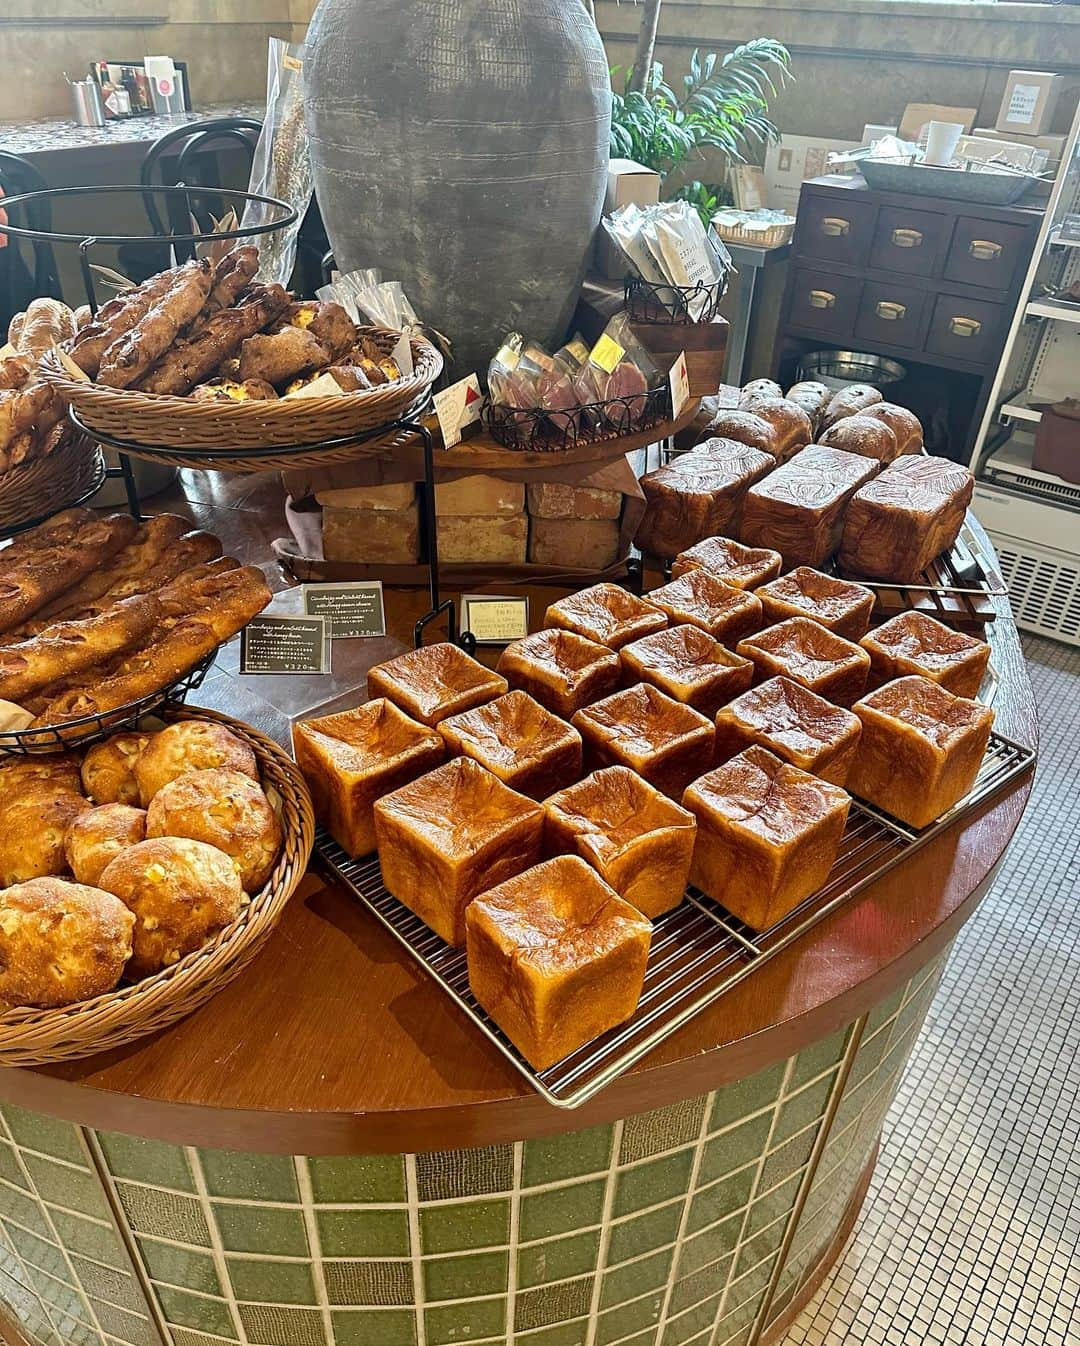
(30, 1037)
(149, 424)
(34, 490)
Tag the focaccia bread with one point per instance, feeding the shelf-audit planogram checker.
(897, 524)
(904, 424)
(560, 669)
(450, 835)
(556, 958)
(792, 426)
(351, 759)
(636, 839)
(435, 681)
(840, 605)
(528, 748)
(812, 655)
(799, 508)
(813, 397)
(697, 495)
(768, 835)
(699, 598)
(689, 665)
(920, 750)
(864, 435)
(607, 614)
(96, 837)
(742, 567)
(796, 724)
(912, 642)
(665, 742)
(850, 401)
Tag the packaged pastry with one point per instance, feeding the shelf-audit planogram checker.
(841, 605)
(528, 748)
(560, 669)
(912, 642)
(664, 741)
(794, 723)
(742, 567)
(697, 495)
(689, 665)
(434, 681)
(607, 614)
(810, 654)
(698, 597)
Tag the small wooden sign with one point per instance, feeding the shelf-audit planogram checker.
(285, 645)
(495, 619)
(351, 609)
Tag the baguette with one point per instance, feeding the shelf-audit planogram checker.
(60, 528)
(22, 408)
(193, 549)
(133, 353)
(113, 319)
(33, 579)
(47, 323)
(15, 370)
(235, 270)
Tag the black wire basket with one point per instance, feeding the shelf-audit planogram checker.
(649, 302)
(544, 430)
(87, 729)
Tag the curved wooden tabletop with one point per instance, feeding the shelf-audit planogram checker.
(332, 1042)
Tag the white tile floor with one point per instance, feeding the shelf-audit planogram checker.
(970, 1235)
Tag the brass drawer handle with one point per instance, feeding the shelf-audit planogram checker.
(822, 299)
(984, 249)
(907, 238)
(890, 310)
(965, 327)
(834, 226)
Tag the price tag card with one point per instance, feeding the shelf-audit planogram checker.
(351, 609)
(458, 407)
(680, 385)
(285, 645)
(495, 619)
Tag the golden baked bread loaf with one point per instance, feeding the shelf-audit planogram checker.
(561, 670)
(108, 769)
(701, 599)
(813, 397)
(864, 435)
(912, 642)
(223, 808)
(905, 425)
(607, 614)
(353, 758)
(841, 605)
(920, 750)
(797, 725)
(528, 748)
(689, 665)
(187, 745)
(434, 681)
(181, 892)
(792, 426)
(799, 508)
(850, 401)
(60, 942)
(637, 840)
(20, 774)
(811, 655)
(665, 742)
(767, 835)
(33, 825)
(556, 958)
(697, 495)
(742, 567)
(450, 835)
(745, 428)
(96, 837)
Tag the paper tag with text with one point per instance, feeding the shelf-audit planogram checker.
(495, 619)
(285, 645)
(352, 608)
(458, 407)
(680, 386)
(402, 355)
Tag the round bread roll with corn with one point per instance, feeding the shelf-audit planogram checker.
(97, 837)
(190, 745)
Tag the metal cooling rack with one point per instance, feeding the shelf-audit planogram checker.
(699, 951)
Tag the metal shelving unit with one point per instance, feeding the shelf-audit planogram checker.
(1031, 515)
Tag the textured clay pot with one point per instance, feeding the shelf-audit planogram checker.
(462, 146)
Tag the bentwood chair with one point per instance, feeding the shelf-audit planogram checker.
(19, 281)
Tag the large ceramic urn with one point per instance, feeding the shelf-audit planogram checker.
(462, 147)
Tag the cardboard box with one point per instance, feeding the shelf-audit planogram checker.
(478, 495)
(918, 116)
(1029, 101)
(628, 183)
(1053, 144)
(792, 161)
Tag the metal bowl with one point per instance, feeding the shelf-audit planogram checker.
(836, 369)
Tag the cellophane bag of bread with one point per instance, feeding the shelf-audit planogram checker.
(686, 252)
(625, 227)
(618, 366)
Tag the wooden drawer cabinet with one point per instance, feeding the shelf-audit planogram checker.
(966, 329)
(891, 313)
(825, 302)
(907, 241)
(835, 230)
(987, 253)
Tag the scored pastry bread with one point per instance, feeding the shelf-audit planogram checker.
(328, 322)
(435, 681)
(137, 350)
(528, 748)
(607, 614)
(796, 724)
(863, 435)
(904, 424)
(841, 605)
(556, 958)
(730, 561)
(53, 532)
(808, 653)
(560, 669)
(850, 401)
(701, 599)
(231, 275)
(697, 495)
(96, 837)
(912, 642)
(689, 665)
(46, 324)
(280, 356)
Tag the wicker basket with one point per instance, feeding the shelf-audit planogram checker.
(147, 422)
(31, 1037)
(41, 487)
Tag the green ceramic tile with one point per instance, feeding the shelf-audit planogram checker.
(738, 1321)
(734, 1149)
(644, 1233)
(372, 1281)
(654, 1181)
(867, 1058)
(254, 1177)
(273, 1282)
(369, 1177)
(743, 1097)
(646, 1338)
(740, 1338)
(363, 1233)
(206, 1315)
(465, 1277)
(687, 1327)
(559, 1210)
(24, 1210)
(562, 1334)
(882, 1013)
(818, 1057)
(472, 1224)
(455, 1173)
(558, 1259)
(803, 1108)
(186, 1336)
(186, 1268)
(164, 1214)
(691, 1290)
(83, 1236)
(470, 1321)
(58, 1296)
(556, 1158)
(39, 1252)
(72, 1188)
(261, 1229)
(756, 1249)
(614, 1324)
(636, 1278)
(559, 1302)
(663, 1129)
(131, 1328)
(772, 1205)
(267, 1325)
(373, 1327)
(710, 1245)
(10, 1169)
(750, 1283)
(36, 1132)
(148, 1161)
(788, 1159)
(115, 1287)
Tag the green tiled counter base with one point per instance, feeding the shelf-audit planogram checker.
(663, 1229)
